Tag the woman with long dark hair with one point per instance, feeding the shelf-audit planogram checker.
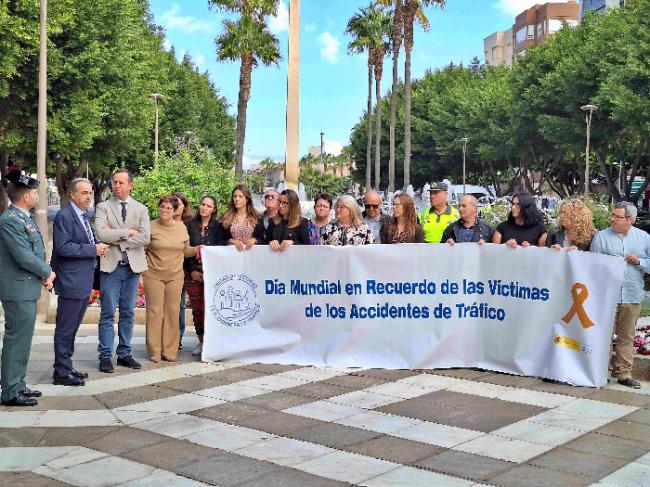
(289, 227)
(403, 226)
(524, 226)
(241, 221)
(184, 211)
(204, 230)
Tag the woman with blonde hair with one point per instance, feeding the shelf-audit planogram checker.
(404, 226)
(288, 227)
(349, 228)
(241, 223)
(576, 227)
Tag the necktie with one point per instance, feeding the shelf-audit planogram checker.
(89, 231)
(125, 256)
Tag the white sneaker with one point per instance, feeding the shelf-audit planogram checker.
(197, 350)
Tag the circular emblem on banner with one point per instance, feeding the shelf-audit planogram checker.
(234, 300)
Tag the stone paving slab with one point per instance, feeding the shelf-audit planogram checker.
(241, 424)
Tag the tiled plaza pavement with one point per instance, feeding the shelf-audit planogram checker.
(235, 424)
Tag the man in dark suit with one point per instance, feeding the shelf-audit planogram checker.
(74, 258)
(24, 271)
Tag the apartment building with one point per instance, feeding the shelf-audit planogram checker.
(535, 24)
(497, 48)
(599, 6)
(531, 27)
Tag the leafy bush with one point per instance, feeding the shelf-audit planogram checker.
(316, 182)
(601, 208)
(496, 213)
(191, 169)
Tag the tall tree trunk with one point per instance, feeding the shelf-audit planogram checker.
(99, 185)
(495, 179)
(635, 168)
(369, 135)
(398, 28)
(245, 72)
(410, 8)
(611, 188)
(407, 118)
(378, 72)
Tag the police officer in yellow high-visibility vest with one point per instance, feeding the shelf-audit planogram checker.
(435, 219)
(24, 273)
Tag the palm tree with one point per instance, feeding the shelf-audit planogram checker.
(412, 9)
(307, 160)
(359, 28)
(382, 24)
(249, 40)
(396, 43)
(267, 167)
(371, 27)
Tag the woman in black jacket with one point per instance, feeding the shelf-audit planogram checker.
(204, 230)
(289, 227)
(576, 227)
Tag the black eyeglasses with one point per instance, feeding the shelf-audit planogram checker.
(269, 197)
(371, 207)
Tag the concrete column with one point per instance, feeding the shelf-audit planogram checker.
(292, 168)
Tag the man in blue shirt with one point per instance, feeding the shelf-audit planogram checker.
(633, 244)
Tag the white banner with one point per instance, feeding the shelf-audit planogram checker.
(529, 311)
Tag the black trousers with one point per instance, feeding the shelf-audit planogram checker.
(69, 314)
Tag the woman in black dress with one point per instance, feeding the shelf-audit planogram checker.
(524, 225)
(204, 229)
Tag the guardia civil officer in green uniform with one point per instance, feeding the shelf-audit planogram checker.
(24, 272)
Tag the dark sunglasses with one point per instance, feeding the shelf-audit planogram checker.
(373, 207)
(269, 197)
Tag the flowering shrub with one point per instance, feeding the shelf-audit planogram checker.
(140, 301)
(94, 297)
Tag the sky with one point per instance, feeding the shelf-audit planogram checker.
(333, 83)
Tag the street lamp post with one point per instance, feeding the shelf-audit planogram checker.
(321, 150)
(589, 112)
(464, 140)
(156, 97)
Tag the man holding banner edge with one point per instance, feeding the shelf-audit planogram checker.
(633, 244)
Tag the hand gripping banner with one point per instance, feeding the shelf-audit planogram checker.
(528, 311)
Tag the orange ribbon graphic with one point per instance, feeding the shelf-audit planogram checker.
(579, 294)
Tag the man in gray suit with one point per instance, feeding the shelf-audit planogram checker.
(123, 224)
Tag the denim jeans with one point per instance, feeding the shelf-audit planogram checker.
(118, 288)
(181, 315)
